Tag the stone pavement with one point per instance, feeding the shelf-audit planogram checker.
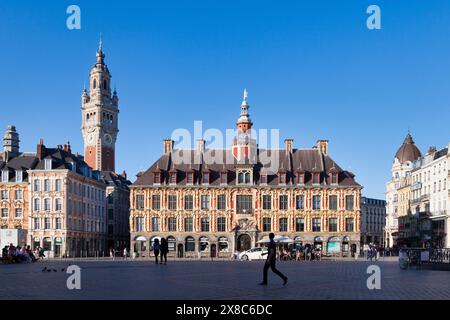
(236, 280)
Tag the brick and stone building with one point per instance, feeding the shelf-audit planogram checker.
(215, 202)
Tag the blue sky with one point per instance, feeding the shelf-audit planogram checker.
(312, 68)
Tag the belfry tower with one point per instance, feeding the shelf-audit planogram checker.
(100, 112)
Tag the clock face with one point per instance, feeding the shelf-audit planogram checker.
(107, 139)
(90, 138)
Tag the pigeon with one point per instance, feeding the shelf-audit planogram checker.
(63, 269)
(49, 270)
(54, 270)
(45, 269)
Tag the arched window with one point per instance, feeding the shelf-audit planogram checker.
(171, 241)
(87, 117)
(241, 177)
(190, 244)
(95, 84)
(105, 84)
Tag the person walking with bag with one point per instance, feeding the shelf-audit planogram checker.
(270, 262)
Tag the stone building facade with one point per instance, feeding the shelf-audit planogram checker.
(208, 207)
(373, 221)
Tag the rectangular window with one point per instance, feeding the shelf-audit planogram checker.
(139, 224)
(333, 202)
(188, 202)
(19, 176)
(58, 185)
(58, 204)
(4, 194)
(188, 225)
(48, 164)
(36, 205)
(172, 224)
(316, 224)
(205, 202)
(349, 202)
(244, 204)
(267, 202)
(282, 178)
(316, 202)
(110, 199)
(37, 223)
(47, 223)
(4, 213)
(172, 201)
(156, 202)
(283, 202)
(283, 224)
(155, 224)
(36, 185)
(58, 223)
(349, 226)
(223, 178)
(221, 202)
(221, 224)
(334, 178)
(263, 179)
(46, 185)
(301, 178)
(18, 194)
(205, 178)
(204, 224)
(139, 200)
(316, 178)
(156, 178)
(267, 224)
(5, 176)
(190, 178)
(173, 178)
(299, 224)
(110, 229)
(18, 213)
(47, 204)
(110, 214)
(332, 225)
(299, 202)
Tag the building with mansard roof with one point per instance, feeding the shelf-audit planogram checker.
(214, 202)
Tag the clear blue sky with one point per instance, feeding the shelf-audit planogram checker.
(312, 68)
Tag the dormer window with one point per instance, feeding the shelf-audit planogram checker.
(223, 177)
(244, 177)
(334, 178)
(5, 176)
(282, 178)
(190, 178)
(19, 175)
(173, 178)
(205, 178)
(156, 178)
(263, 178)
(316, 178)
(300, 178)
(48, 164)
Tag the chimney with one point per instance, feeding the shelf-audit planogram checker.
(432, 149)
(67, 147)
(124, 174)
(288, 144)
(40, 152)
(200, 145)
(167, 145)
(322, 145)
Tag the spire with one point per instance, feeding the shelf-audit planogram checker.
(244, 122)
(100, 43)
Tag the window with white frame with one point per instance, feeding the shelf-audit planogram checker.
(47, 223)
(18, 213)
(5, 176)
(205, 202)
(48, 164)
(46, 204)
(58, 204)
(5, 213)
(18, 194)
(4, 194)
(58, 185)
(46, 185)
(36, 204)
(19, 175)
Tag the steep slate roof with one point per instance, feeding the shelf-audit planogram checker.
(24, 162)
(62, 159)
(115, 180)
(301, 160)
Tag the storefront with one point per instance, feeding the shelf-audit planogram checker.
(58, 245)
(334, 246)
(223, 244)
(345, 246)
(318, 243)
(140, 245)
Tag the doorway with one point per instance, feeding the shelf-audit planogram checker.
(244, 242)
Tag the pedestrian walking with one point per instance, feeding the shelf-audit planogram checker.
(270, 262)
(164, 250)
(156, 249)
(125, 253)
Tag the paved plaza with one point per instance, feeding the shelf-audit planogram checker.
(220, 280)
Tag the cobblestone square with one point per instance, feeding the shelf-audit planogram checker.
(236, 280)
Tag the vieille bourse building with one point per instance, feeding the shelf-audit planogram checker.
(208, 209)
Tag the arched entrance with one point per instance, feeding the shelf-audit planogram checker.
(244, 242)
(213, 250)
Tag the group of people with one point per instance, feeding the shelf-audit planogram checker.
(13, 254)
(372, 252)
(161, 249)
(299, 253)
